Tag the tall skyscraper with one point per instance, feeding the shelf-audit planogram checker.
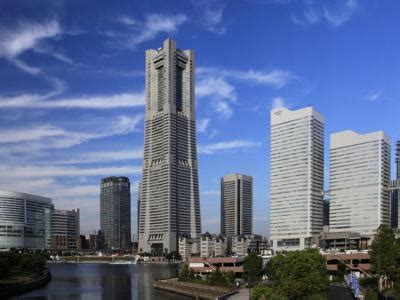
(236, 205)
(115, 212)
(138, 207)
(169, 204)
(359, 181)
(296, 178)
(394, 192)
(398, 160)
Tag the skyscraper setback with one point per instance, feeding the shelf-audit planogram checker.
(169, 205)
(296, 178)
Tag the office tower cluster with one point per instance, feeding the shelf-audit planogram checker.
(360, 195)
(31, 221)
(169, 198)
(115, 212)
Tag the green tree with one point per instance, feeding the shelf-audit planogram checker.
(5, 264)
(298, 275)
(230, 278)
(184, 273)
(253, 268)
(217, 278)
(384, 256)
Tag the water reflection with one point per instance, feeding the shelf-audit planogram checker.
(104, 281)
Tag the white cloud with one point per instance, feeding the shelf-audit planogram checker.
(276, 78)
(126, 20)
(84, 102)
(278, 102)
(339, 16)
(156, 24)
(13, 43)
(33, 171)
(223, 109)
(30, 134)
(374, 96)
(222, 93)
(104, 156)
(334, 13)
(212, 20)
(230, 145)
(28, 35)
(30, 143)
(218, 86)
(214, 83)
(202, 125)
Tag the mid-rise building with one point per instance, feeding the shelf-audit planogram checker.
(236, 205)
(65, 232)
(188, 247)
(212, 245)
(25, 221)
(296, 177)
(244, 244)
(169, 206)
(115, 212)
(359, 181)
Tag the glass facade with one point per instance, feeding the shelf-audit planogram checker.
(24, 220)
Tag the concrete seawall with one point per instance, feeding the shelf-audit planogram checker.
(20, 287)
(196, 290)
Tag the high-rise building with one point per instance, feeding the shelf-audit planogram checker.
(296, 178)
(398, 160)
(394, 192)
(359, 181)
(169, 204)
(115, 212)
(236, 205)
(25, 221)
(65, 231)
(138, 208)
(394, 203)
(326, 213)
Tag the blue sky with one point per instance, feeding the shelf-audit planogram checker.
(72, 87)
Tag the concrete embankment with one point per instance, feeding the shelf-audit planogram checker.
(196, 290)
(20, 287)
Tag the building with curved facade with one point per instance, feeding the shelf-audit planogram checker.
(25, 220)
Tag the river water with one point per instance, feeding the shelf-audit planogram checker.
(105, 281)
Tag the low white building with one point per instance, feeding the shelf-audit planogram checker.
(212, 245)
(244, 244)
(186, 246)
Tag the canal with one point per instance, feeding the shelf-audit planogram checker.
(105, 281)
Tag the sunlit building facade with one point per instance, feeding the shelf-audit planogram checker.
(359, 181)
(25, 221)
(169, 206)
(296, 177)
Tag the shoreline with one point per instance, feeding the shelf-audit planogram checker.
(109, 262)
(20, 287)
(199, 291)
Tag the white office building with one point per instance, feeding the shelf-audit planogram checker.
(359, 177)
(296, 178)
